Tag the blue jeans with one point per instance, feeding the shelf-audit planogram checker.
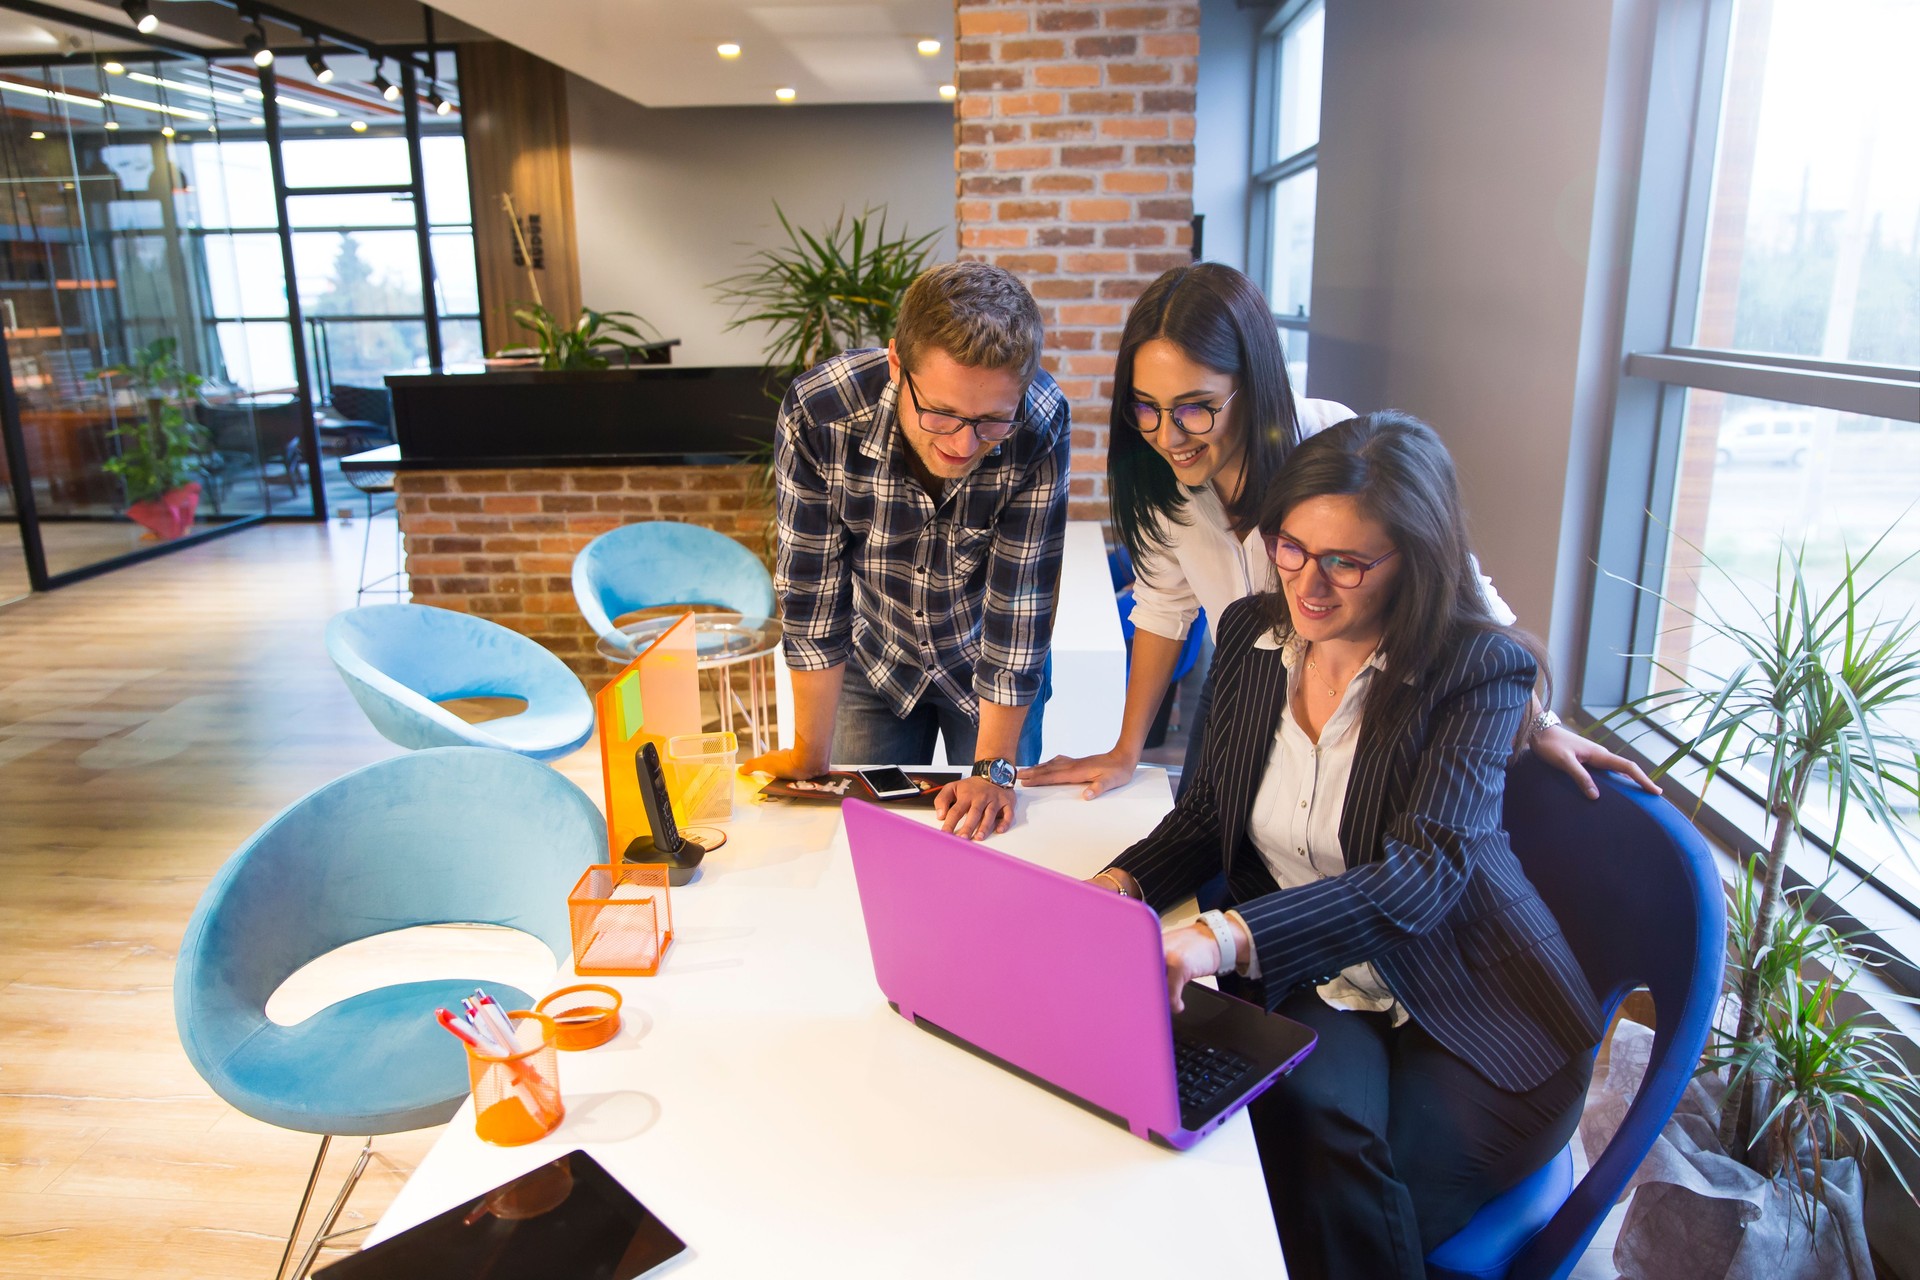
(866, 730)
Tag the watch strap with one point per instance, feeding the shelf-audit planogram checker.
(1222, 934)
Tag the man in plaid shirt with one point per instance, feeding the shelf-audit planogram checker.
(922, 499)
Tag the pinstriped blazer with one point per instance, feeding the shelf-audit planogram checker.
(1432, 895)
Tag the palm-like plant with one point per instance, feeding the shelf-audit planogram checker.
(1811, 698)
(827, 293)
(586, 342)
(1826, 1077)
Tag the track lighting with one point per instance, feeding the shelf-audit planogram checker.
(321, 71)
(256, 44)
(384, 85)
(141, 16)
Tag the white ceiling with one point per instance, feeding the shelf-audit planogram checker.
(660, 53)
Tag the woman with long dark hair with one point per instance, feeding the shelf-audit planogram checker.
(1203, 421)
(1349, 793)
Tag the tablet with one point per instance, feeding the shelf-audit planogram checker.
(568, 1218)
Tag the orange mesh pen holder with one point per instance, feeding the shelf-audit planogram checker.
(516, 1098)
(622, 919)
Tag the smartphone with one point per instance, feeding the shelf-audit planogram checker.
(889, 783)
(653, 794)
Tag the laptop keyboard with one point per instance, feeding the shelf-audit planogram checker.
(1206, 1072)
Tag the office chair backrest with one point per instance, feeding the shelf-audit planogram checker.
(364, 404)
(1637, 895)
(452, 835)
(660, 562)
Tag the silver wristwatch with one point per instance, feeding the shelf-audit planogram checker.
(1541, 723)
(998, 770)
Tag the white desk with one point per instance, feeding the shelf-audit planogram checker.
(763, 1099)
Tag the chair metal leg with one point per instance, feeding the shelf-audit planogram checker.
(306, 1196)
(325, 1232)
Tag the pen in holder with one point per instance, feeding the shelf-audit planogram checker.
(516, 1096)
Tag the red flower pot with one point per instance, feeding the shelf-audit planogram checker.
(170, 514)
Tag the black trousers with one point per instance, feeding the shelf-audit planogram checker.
(1382, 1143)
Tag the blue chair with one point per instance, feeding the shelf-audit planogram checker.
(1636, 893)
(453, 835)
(644, 566)
(401, 660)
(1189, 653)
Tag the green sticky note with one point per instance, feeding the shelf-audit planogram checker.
(631, 718)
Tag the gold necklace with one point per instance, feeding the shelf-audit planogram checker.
(1331, 691)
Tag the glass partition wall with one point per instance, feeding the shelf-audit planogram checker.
(157, 206)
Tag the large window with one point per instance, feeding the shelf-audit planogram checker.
(1286, 171)
(1773, 344)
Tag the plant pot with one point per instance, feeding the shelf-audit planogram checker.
(169, 515)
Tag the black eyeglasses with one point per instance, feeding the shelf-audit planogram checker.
(945, 424)
(1194, 419)
(1340, 570)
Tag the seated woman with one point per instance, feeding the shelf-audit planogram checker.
(1350, 787)
(1203, 420)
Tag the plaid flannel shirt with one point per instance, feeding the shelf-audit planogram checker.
(956, 594)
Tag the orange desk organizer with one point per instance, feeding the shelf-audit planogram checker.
(516, 1098)
(588, 1015)
(655, 698)
(622, 919)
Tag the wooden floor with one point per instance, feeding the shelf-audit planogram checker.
(150, 720)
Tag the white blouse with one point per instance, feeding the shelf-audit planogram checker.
(1295, 820)
(1201, 565)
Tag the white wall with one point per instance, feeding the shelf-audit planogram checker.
(669, 200)
(1223, 127)
(1468, 259)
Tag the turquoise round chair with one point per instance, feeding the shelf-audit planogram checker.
(441, 836)
(654, 563)
(401, 660)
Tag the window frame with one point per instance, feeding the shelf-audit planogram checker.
(1268, 171)
(1664, 268)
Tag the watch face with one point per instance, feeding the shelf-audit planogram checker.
(999, 772)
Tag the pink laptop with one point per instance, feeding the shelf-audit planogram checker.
(1058, 981)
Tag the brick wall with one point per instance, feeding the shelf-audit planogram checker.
(1074, 135)
(500, 544)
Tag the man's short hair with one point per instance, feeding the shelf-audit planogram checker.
(980, 315)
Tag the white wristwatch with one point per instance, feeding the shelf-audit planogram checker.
(1222, 934)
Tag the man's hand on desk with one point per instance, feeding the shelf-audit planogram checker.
(974, 808)
(788, 762)
(1104, 772)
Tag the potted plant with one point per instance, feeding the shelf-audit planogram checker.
(590, 341)
(1806, 1085)
(820, 295)
(158, 454)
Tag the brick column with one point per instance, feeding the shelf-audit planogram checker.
(1074, 146)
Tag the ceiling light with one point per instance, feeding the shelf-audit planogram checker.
(358, 126)
(321, 71)
(728, 50)
(38, 136)
(784, 94)
(198, 91)
(948, 92)
(161, 108)
(380, 82)
(256, 119)
(434, 100)
(112, 125)
(445, 108)
(256, 44)
(113, 68)
(140, 15)
(928, 48)
(308, 107)
(166, 131)
(51, 94)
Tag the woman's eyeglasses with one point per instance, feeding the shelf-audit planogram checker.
(1341, 571)
(946, 424)
(1194, 419)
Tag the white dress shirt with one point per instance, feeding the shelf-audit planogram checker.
(1295, 819)
(1201, 565)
